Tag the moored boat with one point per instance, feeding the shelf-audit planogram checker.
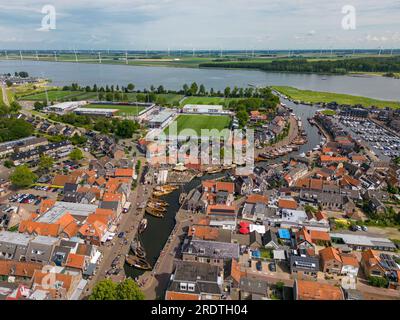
(159, 202)
(138, 263)
(138, 249)
(142, 225)
(154, 213)
(155, 207)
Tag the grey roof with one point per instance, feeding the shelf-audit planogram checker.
(204, 275)
(270, 236)
(60, 252)
(304, 263)
(256, 237)
(61, 208)
(70, 187)
(256, 286)
(212, 249)
(162, 116)
(15, 238)
(113, 205)
(44, 240)
(363, 240)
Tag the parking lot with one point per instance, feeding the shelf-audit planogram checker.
(385, 144)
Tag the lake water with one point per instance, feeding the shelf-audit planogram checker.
(64, 73)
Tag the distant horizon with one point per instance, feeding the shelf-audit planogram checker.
(187, 24)
(244, 50)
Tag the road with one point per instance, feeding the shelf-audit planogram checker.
(128, 223)
(5, 96)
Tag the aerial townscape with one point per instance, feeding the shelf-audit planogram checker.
(123, 176)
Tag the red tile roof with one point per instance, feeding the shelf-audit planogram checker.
(313, 290)
(287, 204)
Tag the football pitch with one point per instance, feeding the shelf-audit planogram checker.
(197, 123)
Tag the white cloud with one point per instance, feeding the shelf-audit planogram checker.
(158, 24)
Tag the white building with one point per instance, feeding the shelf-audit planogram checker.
(96, 112)
(65, 107)
(203, 109)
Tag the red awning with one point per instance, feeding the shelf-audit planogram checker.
(244, 231)
(244, 224)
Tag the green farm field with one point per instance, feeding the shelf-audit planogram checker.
(326, 97)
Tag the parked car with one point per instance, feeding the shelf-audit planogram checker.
(272, 267)
(259, 266)
(121, 235)
(364, 228)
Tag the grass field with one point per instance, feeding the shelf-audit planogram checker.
(59, 95)
(320, 97)
(199, 122)
(329, 112)
(134, 110)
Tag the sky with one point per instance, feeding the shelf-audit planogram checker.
(201, 24)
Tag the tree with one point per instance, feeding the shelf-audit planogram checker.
(378, 282)
(131, 87)
(126, 128)
(104, 290)
(8, 164)
(194, 88)
(22, 177)
(202, 90)
(129, 290)
(45, 162)
(38, 106)
(76, 155)
(243, 118)
(78, 140)
(227, 92)
(185, 89)
(109, 290)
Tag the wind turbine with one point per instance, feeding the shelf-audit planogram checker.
(55, 55)
(194, 51)
(99, 57)
(391, 51)
(37, 57)
(76, 57)
(126, 57)
(6, 54)
(380, 50)
(20, 55)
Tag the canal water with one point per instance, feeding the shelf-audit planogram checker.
(158, 230)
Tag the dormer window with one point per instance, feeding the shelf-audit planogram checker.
(183, 286)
